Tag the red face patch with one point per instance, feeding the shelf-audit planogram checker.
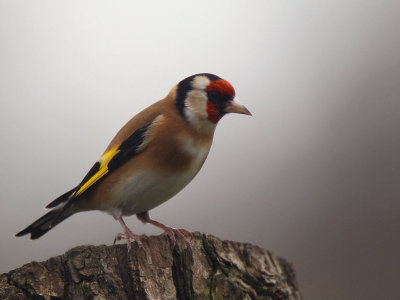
(222, 86)
(213, 112)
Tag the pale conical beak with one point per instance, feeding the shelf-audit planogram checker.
(235, 106)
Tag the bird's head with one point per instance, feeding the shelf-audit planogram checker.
(203, 99)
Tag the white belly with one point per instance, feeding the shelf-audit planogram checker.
(145, 190)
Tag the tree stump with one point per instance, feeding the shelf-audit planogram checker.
(214, 269)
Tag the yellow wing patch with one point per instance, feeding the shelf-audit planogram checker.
(103, 170)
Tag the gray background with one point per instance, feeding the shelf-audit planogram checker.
(313, 176)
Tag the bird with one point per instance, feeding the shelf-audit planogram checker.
(151, 158)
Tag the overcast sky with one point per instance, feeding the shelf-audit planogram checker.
(313, 176)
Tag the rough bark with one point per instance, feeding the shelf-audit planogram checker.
(215, 269)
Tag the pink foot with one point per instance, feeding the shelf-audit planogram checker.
(180, 232)
(137, 238)
(171, 232)
(128, 235)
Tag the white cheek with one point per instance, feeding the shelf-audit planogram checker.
(196, 111)
(196, 106)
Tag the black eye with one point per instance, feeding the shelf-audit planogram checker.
(213, 96)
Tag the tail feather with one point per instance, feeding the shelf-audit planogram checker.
(46, 222)
(62, 199)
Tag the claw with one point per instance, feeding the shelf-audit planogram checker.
(173, 232)
(128, 235)
(186, 232)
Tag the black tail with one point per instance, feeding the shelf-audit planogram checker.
(62, 199)
(46, 222)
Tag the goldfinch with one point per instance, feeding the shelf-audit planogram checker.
(154, 156)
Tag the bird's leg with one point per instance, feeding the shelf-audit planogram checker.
(128, 235)
(180, 232)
